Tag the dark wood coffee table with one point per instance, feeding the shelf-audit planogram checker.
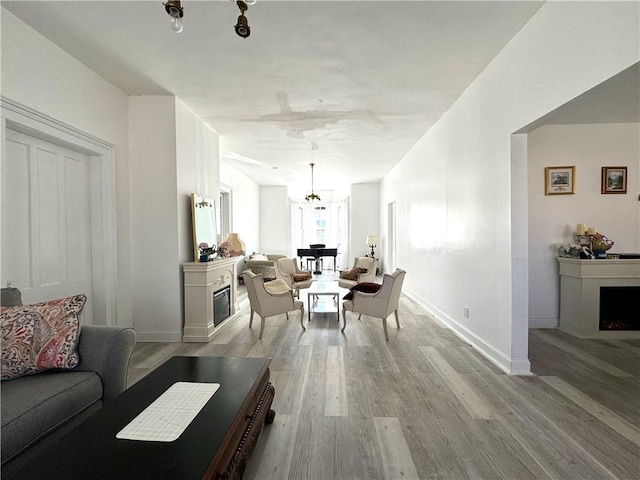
(215, 445)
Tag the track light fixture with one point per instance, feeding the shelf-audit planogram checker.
(242, 27)
(175, 11)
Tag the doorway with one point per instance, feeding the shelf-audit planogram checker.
(58, 212)
(46, 210)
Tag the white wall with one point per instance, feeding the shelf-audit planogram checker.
(175, 154)
(172, 153)
(245, 195)
(452, 190)
(275, 224)
(38, 74)
(552, 218)
(198, 171)
(364, 215)
(154, 219)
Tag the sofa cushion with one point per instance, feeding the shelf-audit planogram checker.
(41, 336)
(258, 256)
(276, 287)
(36, 405)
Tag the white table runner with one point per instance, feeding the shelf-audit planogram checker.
(170, 414)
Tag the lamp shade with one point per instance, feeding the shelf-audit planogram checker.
(372, 240)
(236, 247)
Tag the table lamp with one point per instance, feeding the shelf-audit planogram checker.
(372, 241)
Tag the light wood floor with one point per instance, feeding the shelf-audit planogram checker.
(426, 405)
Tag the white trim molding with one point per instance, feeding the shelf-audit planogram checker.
(504, 361)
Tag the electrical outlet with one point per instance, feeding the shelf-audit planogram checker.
(466, 312)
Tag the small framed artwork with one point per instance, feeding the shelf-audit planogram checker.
(614, 180)
(559, 180)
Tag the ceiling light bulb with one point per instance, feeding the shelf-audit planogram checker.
(251, 2)
(176, 12)
(176, 24)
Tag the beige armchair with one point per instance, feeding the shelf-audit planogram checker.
(268, 299)
(380, 304)
(287, 270)
(369, 275)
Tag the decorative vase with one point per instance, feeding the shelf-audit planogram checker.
(237, 246)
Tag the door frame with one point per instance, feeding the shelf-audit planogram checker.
(102, 190)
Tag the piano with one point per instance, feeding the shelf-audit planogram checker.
(317, 253)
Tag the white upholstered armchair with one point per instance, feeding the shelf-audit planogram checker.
(288, 271)
(272, 298)
(380, 304)
(368, 264)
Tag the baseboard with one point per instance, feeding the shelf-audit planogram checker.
(160, 337)
(520, 367)
(494, 355)
(543, 323)
(171, 337)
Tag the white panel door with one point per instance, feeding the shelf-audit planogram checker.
(46, 220)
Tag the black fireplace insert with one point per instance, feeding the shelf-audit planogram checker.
(221, 305)
(620, 308)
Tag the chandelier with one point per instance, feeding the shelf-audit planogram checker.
(312, 196)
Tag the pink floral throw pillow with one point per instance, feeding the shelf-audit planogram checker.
(41, 336)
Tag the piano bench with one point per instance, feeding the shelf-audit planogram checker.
(311, 264)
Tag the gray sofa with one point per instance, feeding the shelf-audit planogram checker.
(265, 267)
(39, 409)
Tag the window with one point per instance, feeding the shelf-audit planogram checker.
(320, 225)
(224, 217)
(326, 223)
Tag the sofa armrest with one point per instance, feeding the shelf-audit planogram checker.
(106, 351)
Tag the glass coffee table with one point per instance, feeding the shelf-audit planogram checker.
(318, 289)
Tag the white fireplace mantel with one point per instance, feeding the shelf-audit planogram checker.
(201, 280)
(580, 282)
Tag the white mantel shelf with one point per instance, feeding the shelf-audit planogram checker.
(201, 280)
(580, 282)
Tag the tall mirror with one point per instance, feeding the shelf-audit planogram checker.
(203, 214)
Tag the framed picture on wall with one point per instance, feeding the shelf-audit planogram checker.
(559, 180)
(614, 180)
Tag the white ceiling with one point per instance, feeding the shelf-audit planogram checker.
(616, 100)
(351, 85)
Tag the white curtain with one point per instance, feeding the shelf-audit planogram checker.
(297, 209)
(337, 229)
(303, 225)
